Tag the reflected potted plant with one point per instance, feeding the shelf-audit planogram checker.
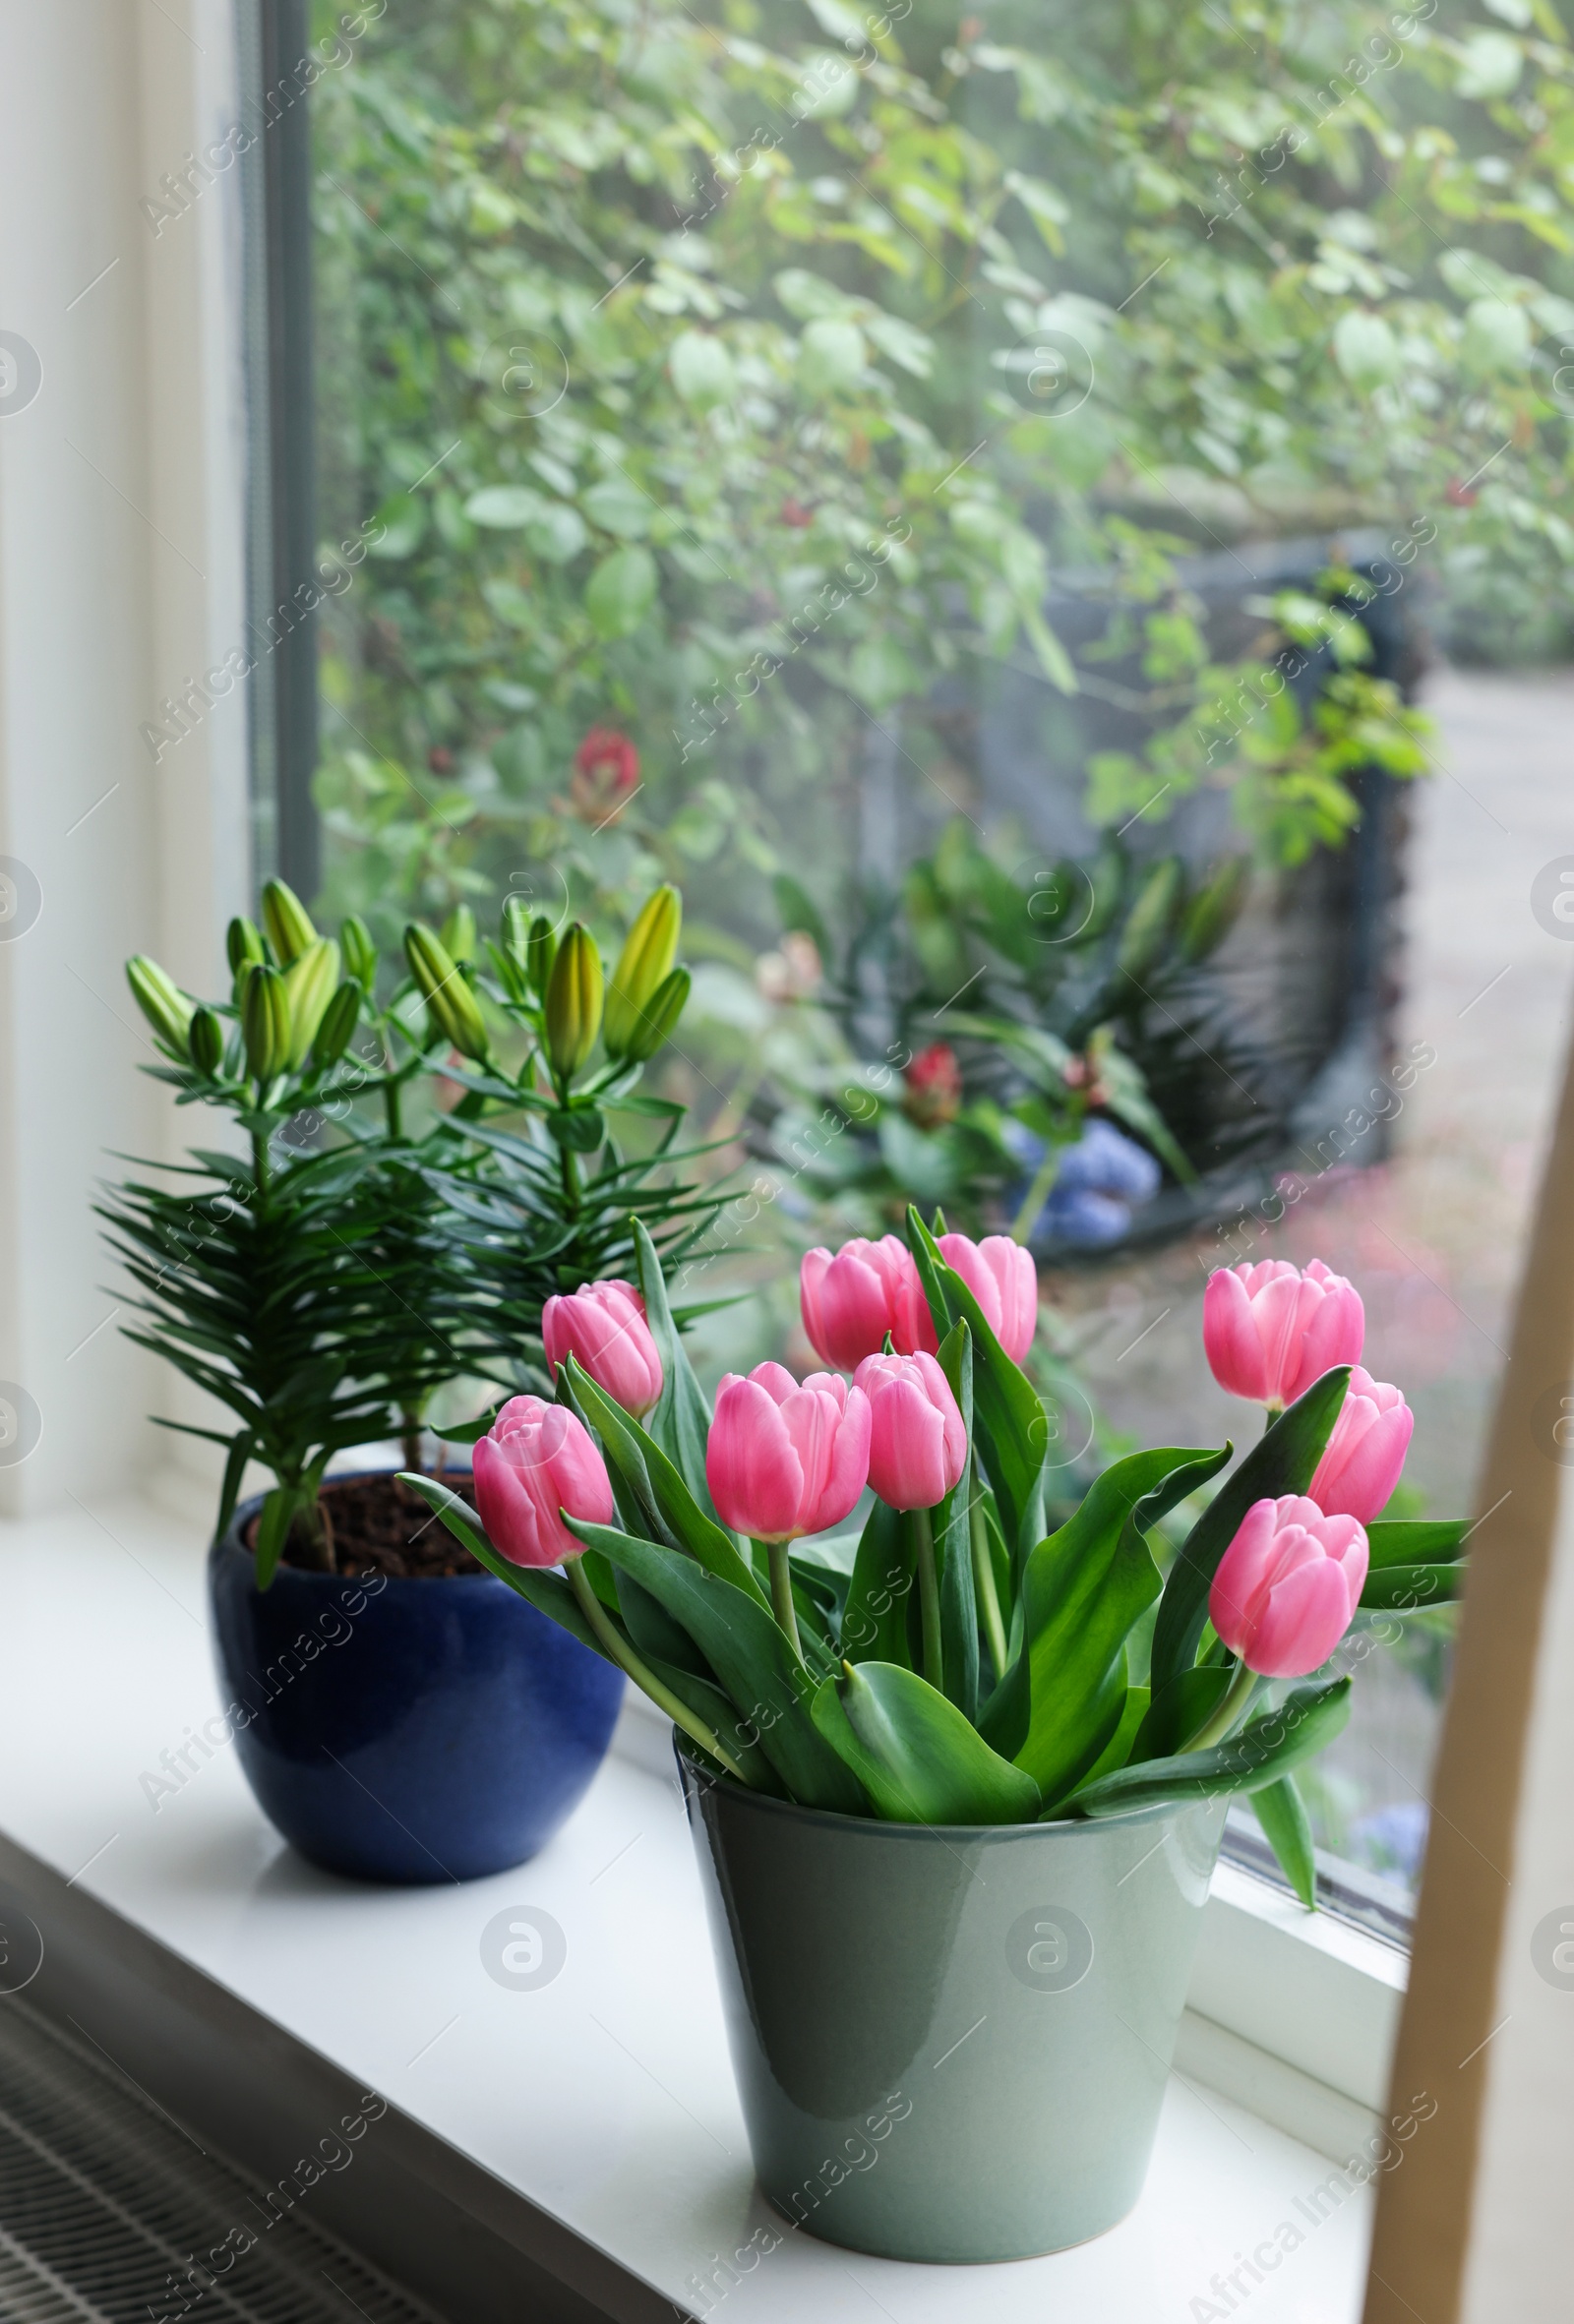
(956, 1781)
(319, 1285)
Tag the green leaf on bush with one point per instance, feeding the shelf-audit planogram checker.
(1266, 1748)
(918, 1757)
(620, 592)
(1281, 1462)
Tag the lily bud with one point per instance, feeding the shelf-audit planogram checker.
(207, 1040)
(513, 934)
(360, 952)
(573, 1002)
(543, 953)
(459, 934)
(643, 965)
(310, 984)
(243, 943)
(660, 1021)
(451, 1007)
(161, 1003)
(339, 1020)
(264, 1021)
(288, 921)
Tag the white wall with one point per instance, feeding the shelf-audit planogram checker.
(121, 561)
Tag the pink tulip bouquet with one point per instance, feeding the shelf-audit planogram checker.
(952, 1661)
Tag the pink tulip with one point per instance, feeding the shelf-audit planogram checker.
(852, 1300)
(917, 1444)
(1270, 1330)
(536, 1462)
(1365, 1452)
(1002, 1278)
(1287, 1587)
(604, 1329)
(783, 1460)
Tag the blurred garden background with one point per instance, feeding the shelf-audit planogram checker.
(1053, 527)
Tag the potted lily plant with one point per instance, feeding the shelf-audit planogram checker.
(957, 1782)
(322, 1283)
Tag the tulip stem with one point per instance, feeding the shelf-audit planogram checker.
(1037, 1196)
(617, 1649)
(781, 1591)
(984, 1582)
(1231, 1703)
(928, 1599)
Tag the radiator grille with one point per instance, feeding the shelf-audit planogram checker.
(103, 2198)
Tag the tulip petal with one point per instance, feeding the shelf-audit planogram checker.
(1230, 1337)
(1306, 1617)
(755, 1476)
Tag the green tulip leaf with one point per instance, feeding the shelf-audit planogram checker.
(681, 1421)
(1083, 1588)
(670, 1511)
(1282, 1813)
(875, 1618)
(547, 1591)
(920, 1760)
(1407, 1589)
(1416, 1541)
(766, 1683)
(1266, 1747)
(954, 1542)
(1011, 1433)
(1283, 1460)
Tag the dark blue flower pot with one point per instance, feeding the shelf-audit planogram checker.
(405, 1730)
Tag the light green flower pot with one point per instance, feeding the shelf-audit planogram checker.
(952, 2044)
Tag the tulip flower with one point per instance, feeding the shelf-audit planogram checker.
(1002, 1278)
(1270, 1330)
(1367, 1451)
(918, 1446)
(1287, 1587)
(784, 1459)
(603, 1328)
(917, 1452)
(536, 1463)
(852, 1300)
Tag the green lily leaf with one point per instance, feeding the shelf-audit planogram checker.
(1265, 1749)
(1282, 1813)
(920, 1760)
(273, 1531)
(240, 1452)
(1416, 1541)
(765, 1680)
(874, 1621)
(1082, 1590)
(1011, 1433)
(1281, 1462)
(1406, 1590)
(681, 1420)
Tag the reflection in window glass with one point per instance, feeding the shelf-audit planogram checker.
(1023, 517)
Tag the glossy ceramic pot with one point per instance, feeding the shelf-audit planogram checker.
(404, 1730)
(952, 2044)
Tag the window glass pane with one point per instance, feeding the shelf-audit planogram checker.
(1027, 521)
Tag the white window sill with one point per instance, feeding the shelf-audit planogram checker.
(602, 2108)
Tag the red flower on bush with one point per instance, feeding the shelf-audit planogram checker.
(606, 771)
(934, 1093)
